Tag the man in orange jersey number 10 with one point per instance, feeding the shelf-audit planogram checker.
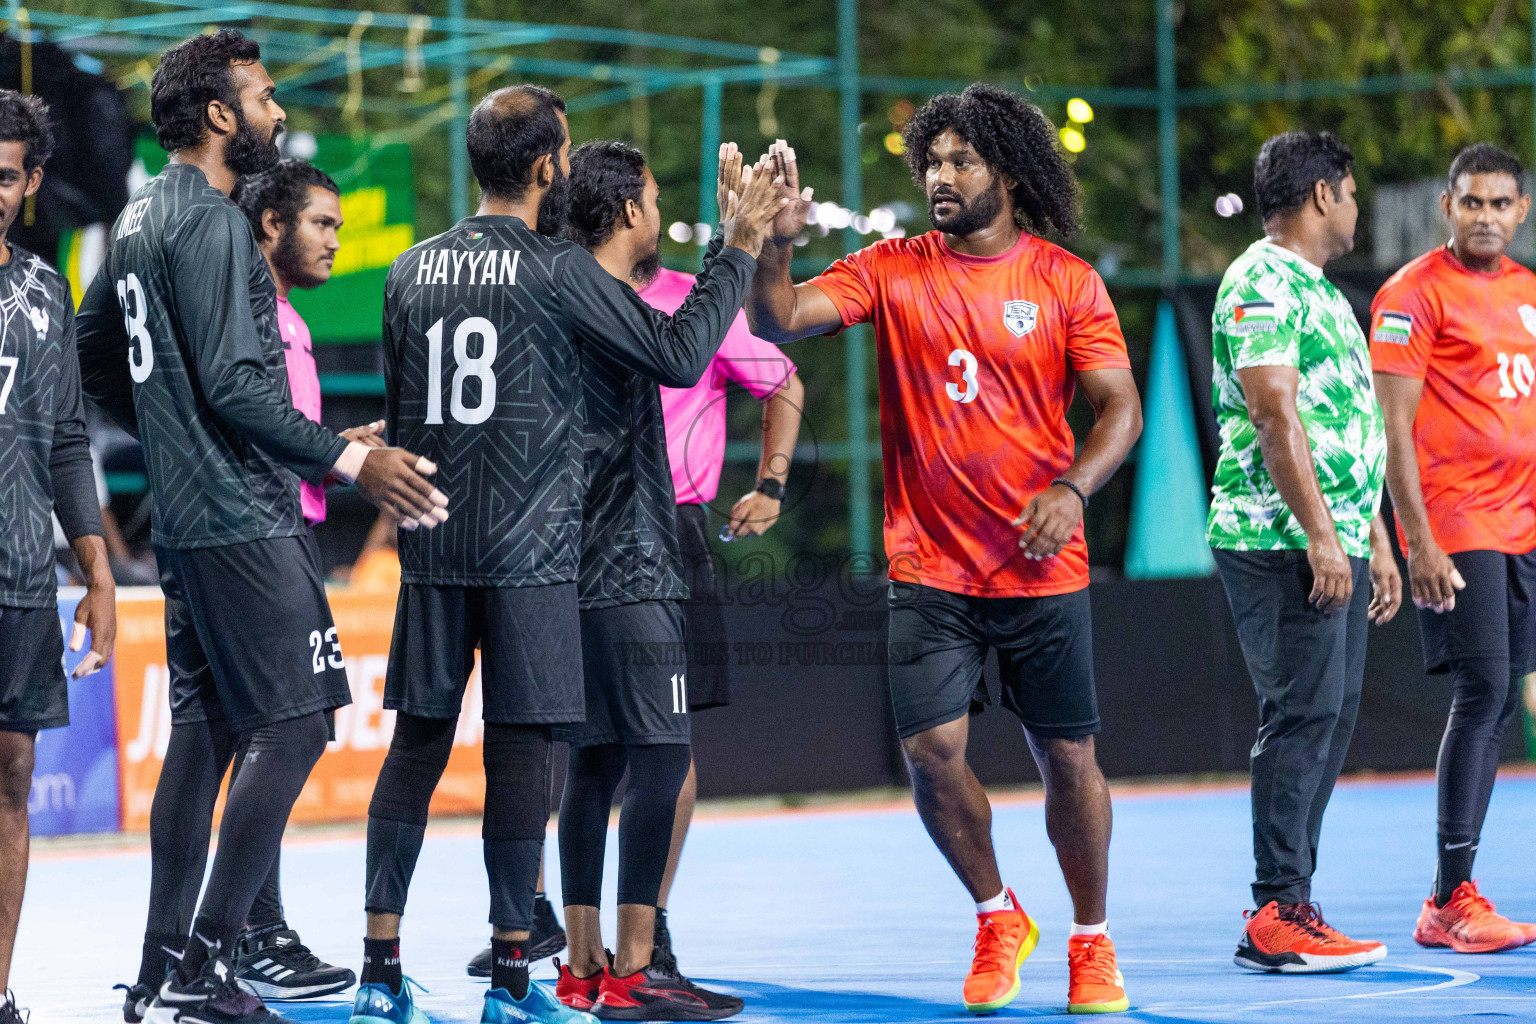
(984, 329)
(1453, 336)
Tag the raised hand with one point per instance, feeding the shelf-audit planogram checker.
(730, 177)
(791, 220)
(750, 213)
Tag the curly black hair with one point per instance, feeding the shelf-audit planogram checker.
(1483, 158)
(285, 188)
(1015, 138)
(25, 119)
(604, 176)
(1292, 163)
(191, 75)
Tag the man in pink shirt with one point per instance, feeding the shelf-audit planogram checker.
(695, 425)
(295, 212)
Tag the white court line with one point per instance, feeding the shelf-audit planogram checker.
(1455, 980)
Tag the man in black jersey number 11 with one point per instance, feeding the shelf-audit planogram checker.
(487, 329)
(46, 465)
(178, 341)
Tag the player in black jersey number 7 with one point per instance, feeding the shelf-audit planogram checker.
(178, 341)
(484, 331)
(46, 465)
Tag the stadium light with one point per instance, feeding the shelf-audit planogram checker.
(1073, 141)
(1079, 110)
(894, 145)
(679, 232)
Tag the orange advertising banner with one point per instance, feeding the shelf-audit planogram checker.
(342, 783)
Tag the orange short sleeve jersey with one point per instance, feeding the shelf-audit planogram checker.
(1471, 338)
(978, 363)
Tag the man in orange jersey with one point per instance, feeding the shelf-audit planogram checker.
(1453, 344)
(984, 330)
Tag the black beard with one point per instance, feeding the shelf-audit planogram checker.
(972, 216)
(288, 261)
(247, 152)
(646, 268)
(555, 207)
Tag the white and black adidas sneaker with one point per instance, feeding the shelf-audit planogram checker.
(274, 964)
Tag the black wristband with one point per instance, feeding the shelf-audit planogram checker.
(1069, 485)
(770, 488)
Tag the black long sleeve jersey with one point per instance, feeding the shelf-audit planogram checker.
(44, 456)
(485, 326)
(178, 342)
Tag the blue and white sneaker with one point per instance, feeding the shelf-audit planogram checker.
(539, 1006)
(376, 1004)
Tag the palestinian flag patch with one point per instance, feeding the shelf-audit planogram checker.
(1256, 317)
(1393, 328)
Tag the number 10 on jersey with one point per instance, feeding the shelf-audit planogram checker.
(478, 366)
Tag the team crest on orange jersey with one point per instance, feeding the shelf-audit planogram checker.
(1019, 316)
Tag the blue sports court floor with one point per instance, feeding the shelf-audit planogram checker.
(848, 913)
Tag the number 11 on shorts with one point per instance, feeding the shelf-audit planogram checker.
(679, 693)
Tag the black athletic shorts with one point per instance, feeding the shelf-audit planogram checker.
(709, 650)
(33, 693)
(248, 633)
(530, 652)
(1494, 617)
(938, 644)
(636, 674)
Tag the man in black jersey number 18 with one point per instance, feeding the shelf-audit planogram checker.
(46, 465)
(486, 331)
(178, 341)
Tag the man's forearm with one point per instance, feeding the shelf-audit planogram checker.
(1288, 457)
(770, 302)
(781, 429)
(91, 552)
(1407, 490)
(1114, 433)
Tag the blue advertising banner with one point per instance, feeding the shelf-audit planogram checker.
(74, 780)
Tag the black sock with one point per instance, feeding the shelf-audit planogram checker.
(509, 966)
(661, 922)
(1454, 865)
(381, 963)
(161, 952)
(201, 947)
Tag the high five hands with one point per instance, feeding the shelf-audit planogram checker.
(778, 176)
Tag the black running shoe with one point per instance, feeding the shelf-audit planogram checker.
(545, 939)
(213, 997)
(654, 993)
(661, 950)
(139, 997)
(276, 965)
(8, 1012)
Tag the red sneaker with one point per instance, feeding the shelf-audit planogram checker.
(1467, 924)
(1294, 939)
(577, 993)
(1097, 985)
(657, 992)
(1004, 940)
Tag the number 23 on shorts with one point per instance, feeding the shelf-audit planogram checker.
(321, 659)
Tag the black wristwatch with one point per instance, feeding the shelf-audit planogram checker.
(771, 488)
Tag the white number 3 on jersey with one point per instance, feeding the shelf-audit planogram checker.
(967, 363)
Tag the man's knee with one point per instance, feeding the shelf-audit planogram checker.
(15, 771)
(935, 753)
(1068, 762)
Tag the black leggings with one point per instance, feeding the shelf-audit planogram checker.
(1485, 697)
(656, 776)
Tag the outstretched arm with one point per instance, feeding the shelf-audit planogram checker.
(779, 310)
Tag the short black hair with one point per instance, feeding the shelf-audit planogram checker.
(285, 188)
(1291, 163)
(25, 119)
(604, 175)
(508, 130)
(1485, 158)
(1015, 138)
(191, 75)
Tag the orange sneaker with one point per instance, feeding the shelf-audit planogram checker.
(1097, 985)
(1004, 940)
(1467, 924)
(1293, 938)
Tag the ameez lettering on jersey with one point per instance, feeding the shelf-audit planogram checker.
(468, 266)
(1256, 317)
(1393, 328)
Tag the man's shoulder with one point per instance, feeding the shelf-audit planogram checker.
(40, 273)
(901, 252)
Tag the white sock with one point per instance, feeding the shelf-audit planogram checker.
(1001, 901)
(1102, 928)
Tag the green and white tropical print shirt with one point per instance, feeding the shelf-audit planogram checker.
(1276, 309)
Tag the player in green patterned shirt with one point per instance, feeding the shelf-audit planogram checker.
(1296, 530)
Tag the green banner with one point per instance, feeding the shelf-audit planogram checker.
(378, 208)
